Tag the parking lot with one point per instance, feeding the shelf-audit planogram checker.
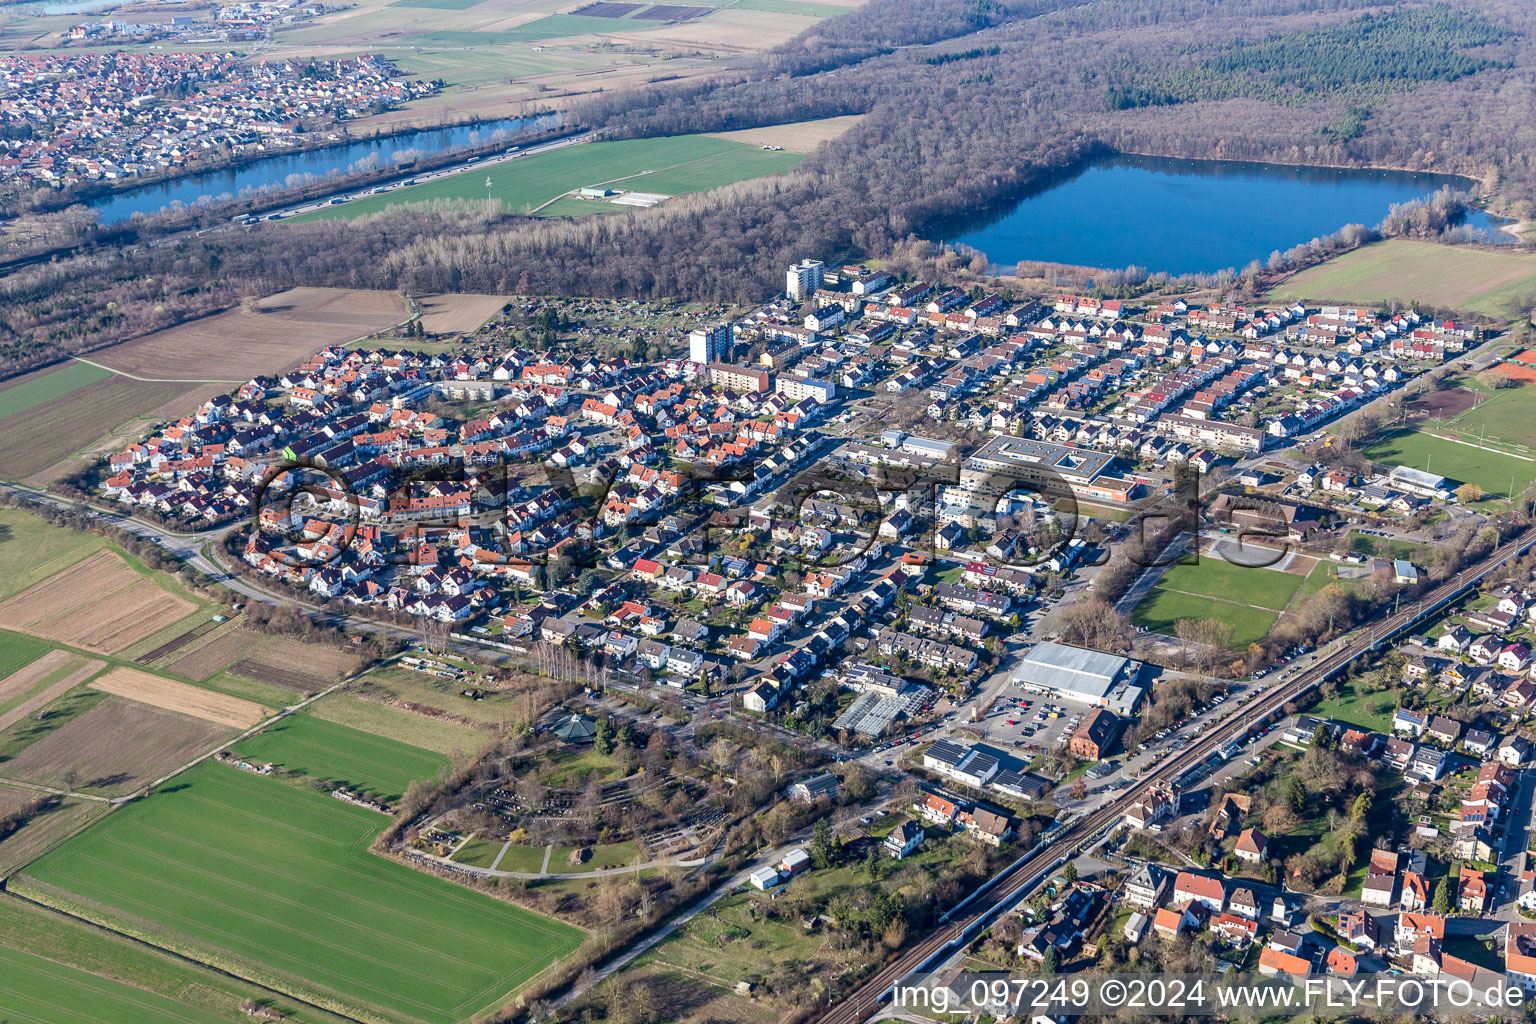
(1029, 723)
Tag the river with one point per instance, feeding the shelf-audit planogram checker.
(280, 168)
(1192, 216)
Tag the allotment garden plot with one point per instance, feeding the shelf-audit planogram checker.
(1248, 599)
(275, 883)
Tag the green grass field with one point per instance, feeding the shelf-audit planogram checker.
(437, 734)
(276, 883)
(1477, 281)
(683, 163)
(1507, 416)
(478, 853)
(343, 755)
(1372, 711)
(35, 989)
(1247, 598)
(33, 392)
(528, 859)
(1460, 463)
(31, 550)
(59, 970)
(18, 651)
(613, 855)
(570, 206)
(1161, 610)
(1363, 545)
(1224, 581)
(1322, 575)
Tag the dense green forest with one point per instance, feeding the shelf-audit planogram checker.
(968, 104)
(1369, 57)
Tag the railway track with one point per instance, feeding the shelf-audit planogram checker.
(1024, 874)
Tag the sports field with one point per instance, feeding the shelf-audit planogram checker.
(1161, 610)
(1248, 599)
(1456, 461)
(673, 165)
(343, 755)
(275, 883)
(1501, 419)
(1477, 281)
(1224, 581)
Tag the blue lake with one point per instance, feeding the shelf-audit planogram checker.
(1192, 216)
(276, 170)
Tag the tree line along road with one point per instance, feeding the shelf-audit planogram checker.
(1023, 874)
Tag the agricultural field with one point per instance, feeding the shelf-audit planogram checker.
(1248, 599)
(457, 314)
(45, 830)
(736, 27)
(17, 653)
(342, 755)
(681, 163)
(40, 683)
(33, 389)
(797, 137)
(31, 550)
(1451, 277)
(1455, 460)
(99, 604)
(436, 734)
(285, 329)
(183, 698)
(274, 660)
(114, 748)
(46, 434)
(24, 729)
(73, 973)
(200, 868)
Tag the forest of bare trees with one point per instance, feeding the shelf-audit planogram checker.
(968, 104)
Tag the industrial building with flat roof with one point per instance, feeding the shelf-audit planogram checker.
(1006, 465)
(1076, 673)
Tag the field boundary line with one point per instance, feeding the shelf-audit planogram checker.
(97, 926)
(1484, 448)
(1222, 600)
(152, 380)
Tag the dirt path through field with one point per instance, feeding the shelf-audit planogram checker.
(155, 380)
(53, 692)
